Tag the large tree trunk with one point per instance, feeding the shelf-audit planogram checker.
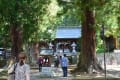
(16, 38)
(16, 32)
(116, 42)
(88, 51)
(36, 50)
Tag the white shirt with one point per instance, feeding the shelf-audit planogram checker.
(21, 72)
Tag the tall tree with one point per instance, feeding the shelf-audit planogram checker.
(27, 21)
(21, 19)
(87, 12)
(89, 21)
(88, 51)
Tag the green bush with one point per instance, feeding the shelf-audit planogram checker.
(100, 50)
(2, 63)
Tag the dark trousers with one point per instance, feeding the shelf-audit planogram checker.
(40, 67)
(64, 71)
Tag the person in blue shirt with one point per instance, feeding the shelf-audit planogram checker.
(64, 65)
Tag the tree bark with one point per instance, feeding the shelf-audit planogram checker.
(88, 49)
(16, 38)
(116, 42)
(36, 50)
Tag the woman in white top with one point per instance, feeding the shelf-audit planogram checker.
(22, 70)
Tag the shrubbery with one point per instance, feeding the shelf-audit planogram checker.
(2, 63)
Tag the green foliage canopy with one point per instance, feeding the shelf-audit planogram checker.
(36, 18)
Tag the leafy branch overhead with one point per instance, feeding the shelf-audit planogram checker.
(34, 17)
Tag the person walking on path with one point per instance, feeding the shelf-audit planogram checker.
(64, 65)
(56, 61)
(40, 63)
(21, 69)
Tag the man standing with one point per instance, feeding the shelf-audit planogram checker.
(64, 65)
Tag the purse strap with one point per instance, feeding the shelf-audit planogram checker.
(15, 66)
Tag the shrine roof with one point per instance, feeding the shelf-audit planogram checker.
(68, 32)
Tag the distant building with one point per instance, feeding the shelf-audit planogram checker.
(68, 33)
(64, 39)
